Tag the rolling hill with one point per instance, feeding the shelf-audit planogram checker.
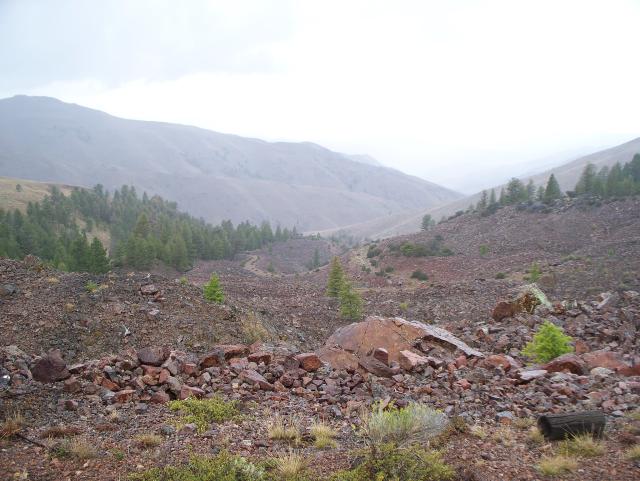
(213, 175)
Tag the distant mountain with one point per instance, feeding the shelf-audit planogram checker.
(213, 175)
(365, 159)
(567, 175)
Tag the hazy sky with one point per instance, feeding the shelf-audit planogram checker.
(444, 90)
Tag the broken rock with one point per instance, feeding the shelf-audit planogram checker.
(50, 368)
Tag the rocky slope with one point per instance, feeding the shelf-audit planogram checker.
(213, 175)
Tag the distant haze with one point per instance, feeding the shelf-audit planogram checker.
(462, 93)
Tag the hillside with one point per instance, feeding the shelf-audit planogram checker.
(567, 175)
(212, 175)
(277, 348)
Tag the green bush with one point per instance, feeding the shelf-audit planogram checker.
(484, 250)
(222, 467)
(534, 273)
(409, 464)
(212, 290)
(421, 276)
(91, 287)
(336, 278)
(202, 412)
(548, 343)
(501, 275)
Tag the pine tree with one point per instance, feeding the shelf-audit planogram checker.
(492, 198)
(503, 198)
(350, 302)
(552, 192)
(98, 261)
(212, 290)
(531, 190)
(336, 278)
(515, 192)
(483, 203)
(427, 222)
(587, 182)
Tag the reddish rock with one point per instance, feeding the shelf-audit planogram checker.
(50, 368)
(526, 376)
(109, 384)
(633, 370)
(374, 366)
(71, 405)
(309, 361)
(381, 354)
(153, 355)
(501, 360)
(502, 310)
(410, 360)
(461, 361)
(160, 397)
(566, 362)
(464, 384)
(255, 378)
(190, 391)
(72, 385)
(189, 369)
(124, 396)
(260, 356)
(215, 357)
(233, 350)
(148, 290)
(163, 376)
(581, 347)
(608, 359)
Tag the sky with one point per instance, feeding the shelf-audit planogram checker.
(463, 93)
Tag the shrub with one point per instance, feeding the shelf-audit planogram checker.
(336, 278)
(91, 287)
(183, 281)
(78, 448)
(202, 412)
(222, 467)
(501, 275)
(409, 464)
(421, 276)
(253, 329)
(534, 273)
(373, 251)
(403, 306)
(548, 343)
(350, 302)
(484, 250)
(552, 466)
(212, 290)
(323, 435)
(411, 424)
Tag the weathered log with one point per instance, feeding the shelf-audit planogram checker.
(561, 426)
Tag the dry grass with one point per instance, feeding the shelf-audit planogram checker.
(12, 425)
(78, 448)
(60, 432)
(555, 465)
(281, 429)
(323, 435)
(633, 453)
(148, 440)
(478, 431)
(290, 466)
(534, 436)
(505, 436)
(524, 423)
(253, 329)
(52, 280)
(582, 445)
(635, 415)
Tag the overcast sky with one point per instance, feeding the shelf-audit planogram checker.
(444, 90)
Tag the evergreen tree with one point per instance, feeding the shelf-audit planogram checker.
(336, 278)
(503, 197)
(212, 290)
(98, 261)
(492, 198)
(427, 222)
(515, 192)
(350, 302)
(540, 194)
(552, 192)
(483, 203)
(587, 182)
(531, 190)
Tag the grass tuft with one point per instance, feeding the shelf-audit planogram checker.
(290, 466)
(478, 431)
(12, 425)
(323, 435)
(535, 436)
(148, 440)
(555, 465)
(203, 412)
(633, 453)
(281, 429)
(582, 445)
(77, 448)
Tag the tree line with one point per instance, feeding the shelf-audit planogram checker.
(61, 230)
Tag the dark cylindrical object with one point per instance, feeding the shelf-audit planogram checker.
(561, 426)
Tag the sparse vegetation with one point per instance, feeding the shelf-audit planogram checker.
(148, 440)
(253, 329)
(418, 274)
(78, 448)
(202, 412)
(11, 425)
(91, 287)
(404, 306)
(484, 250)
(290, 467)
(535, 436)
(212, 290)
(583, 445)
(556, 465)
(222, 467)
(478, 431)
(434, 248)
(549, 342)
(285, 429)
(323, 435)
(501, 275)
(183, 281)
(336, 278)
(633, 453)
(350, 302)
(534, 273)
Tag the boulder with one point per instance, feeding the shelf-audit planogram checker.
(50, 368)
(567, 362)
(527, 299)
(260, 356)
(233, 350)
(255, 378)
(608, 359)
(374, 366)
(215, 357)
(381, 354)
(153, 355)
(309, 361)
(530, 375)
(148, 290)
(501, 360)
(354, 342)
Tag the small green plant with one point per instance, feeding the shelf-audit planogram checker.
(549, 342)
(271, 268)
(501, 275)
(403, 306)
(323, 435)
(202, 412)
(336, 278)
(212, 290)
(555, 465)
(418, 274)
(183, 281)
(222, 467)
(350, 302)
(484, 250)
(91, 287)
(534, 273)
